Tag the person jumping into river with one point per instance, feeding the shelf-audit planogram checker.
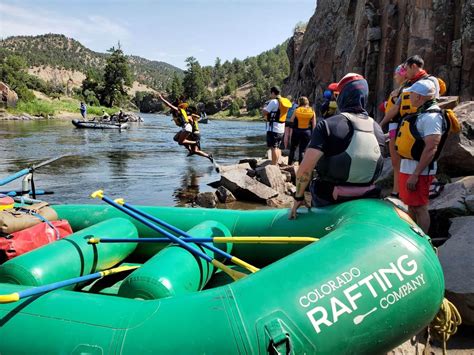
(187, 135)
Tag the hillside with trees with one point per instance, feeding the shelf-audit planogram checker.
(235, 87)
(62, 52)
(220, 87)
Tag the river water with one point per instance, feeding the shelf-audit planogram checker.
(142, 164)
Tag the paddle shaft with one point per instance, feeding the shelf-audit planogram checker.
(27, 171)
(158, 229)
(60, 284)
(176, 230)
(235, 240)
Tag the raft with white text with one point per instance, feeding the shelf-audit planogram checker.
(369, 283)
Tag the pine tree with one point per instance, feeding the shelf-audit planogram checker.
(116, 77)
(193, 81)
(176, 87)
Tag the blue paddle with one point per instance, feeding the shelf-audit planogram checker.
(232, 273)
(16, 296)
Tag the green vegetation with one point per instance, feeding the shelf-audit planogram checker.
(208, 84)
(59, 51)
(45, 108)
(215, 88)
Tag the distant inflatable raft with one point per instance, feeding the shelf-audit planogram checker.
(370, 283)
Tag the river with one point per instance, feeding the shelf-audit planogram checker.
(142, 164)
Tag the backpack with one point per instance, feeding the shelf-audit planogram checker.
(453, 126)
(283, 106)
(442, 87)
(20, 242)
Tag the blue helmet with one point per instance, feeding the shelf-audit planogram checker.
(327, 94)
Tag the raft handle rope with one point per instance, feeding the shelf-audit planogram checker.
(445, 323)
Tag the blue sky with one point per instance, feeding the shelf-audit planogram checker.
(168, 31)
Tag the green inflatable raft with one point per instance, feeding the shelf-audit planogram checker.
(371, 282)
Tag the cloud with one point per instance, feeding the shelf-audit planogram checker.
(18, 20)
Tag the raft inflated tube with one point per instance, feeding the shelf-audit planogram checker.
(72, 256)
(174, 270)
(370, 284)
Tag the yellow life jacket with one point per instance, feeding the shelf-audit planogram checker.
(304, 115)
(409, 143)
(195, 124)
(180, 118)
(280, 115)
(405, 105)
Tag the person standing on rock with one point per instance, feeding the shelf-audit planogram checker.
(287, 136)
(417, 142)
(302, 122)
(275, 114)
(345, 149)
(83, 109)
(392, 117)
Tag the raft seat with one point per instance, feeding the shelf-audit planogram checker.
(72, 256)
(174, 271)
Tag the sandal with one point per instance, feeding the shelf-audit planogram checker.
(436, 188)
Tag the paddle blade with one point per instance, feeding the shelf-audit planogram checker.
(244, 264)
(98, 194)
(235, 275)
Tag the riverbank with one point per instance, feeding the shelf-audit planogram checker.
(62, 108)
(68, 108)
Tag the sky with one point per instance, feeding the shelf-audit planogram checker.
(164, 30)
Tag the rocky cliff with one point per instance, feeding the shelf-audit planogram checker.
(373, 37)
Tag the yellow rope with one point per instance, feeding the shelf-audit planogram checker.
(445, 323)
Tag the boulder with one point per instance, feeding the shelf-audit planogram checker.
(271, 176)
(457, 157)
(224, 195)
(456, 259)
(281, 201)
(292, 169)
(8, 97)
(448, 102)
(290, 189)
(382, 37)
(387, 171)
(263, 162)
(470, 203)
(287, 175)
(245, 188)
(450, 203)
(252, 161)
(413, 346)
(206, 199)
(240, 166)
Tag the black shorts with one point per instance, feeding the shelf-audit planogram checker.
(274, 139)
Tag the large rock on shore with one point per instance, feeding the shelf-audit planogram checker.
(373, 37)
(450, 203)
(8, 97)
(456, 257)
(457, 157)
(271, 176)
(246, 188)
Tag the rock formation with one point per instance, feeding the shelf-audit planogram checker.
(373, 37)
(8, 97)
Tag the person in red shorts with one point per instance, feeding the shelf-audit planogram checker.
(417, 142)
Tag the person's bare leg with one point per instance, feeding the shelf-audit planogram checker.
(422, 217)
(395, 158)
(276, 153)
